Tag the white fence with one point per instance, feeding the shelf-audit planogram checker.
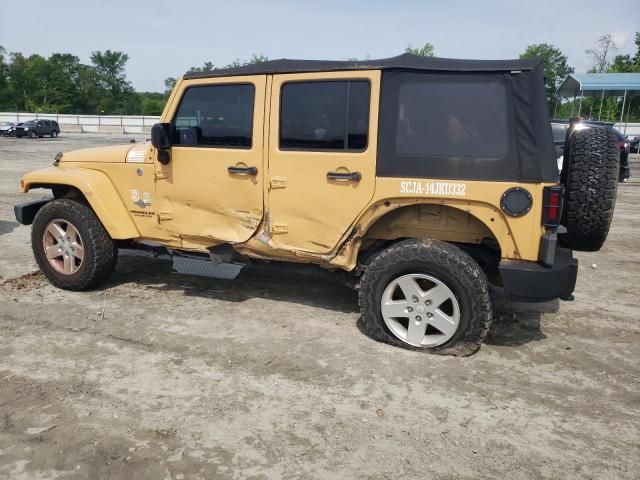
(143, 123)
(88, 123)
(631, 130)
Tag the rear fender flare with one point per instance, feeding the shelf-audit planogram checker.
(488, 215)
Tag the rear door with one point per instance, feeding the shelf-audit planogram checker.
(322, 155)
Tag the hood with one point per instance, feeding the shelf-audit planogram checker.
(111, 154)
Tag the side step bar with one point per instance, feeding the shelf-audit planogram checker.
(205, 267)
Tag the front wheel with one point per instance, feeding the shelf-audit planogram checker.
(54, 133)
(33, 135)
(71, 246)
(426, 295)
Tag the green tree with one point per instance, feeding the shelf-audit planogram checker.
(152, 103)
(63, 78)
(118, 96)
(169, 83)
(427, 50)
(601, 53)
(556, 67)
(206, 66)
(627, 63)
(110, 67)
(254, 58)
(5, 94)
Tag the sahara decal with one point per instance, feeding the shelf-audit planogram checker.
(449, 189)
(140, 202)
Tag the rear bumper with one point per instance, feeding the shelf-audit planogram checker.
(533, 282)
(26, 212)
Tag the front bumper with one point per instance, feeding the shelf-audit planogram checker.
(26, 212)
(533, 282)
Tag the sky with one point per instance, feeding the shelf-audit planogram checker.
(164, 38)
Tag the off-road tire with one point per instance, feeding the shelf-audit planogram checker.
(450, 265)
(100, 252)
(590, 178)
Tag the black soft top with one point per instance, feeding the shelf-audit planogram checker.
(404, 61)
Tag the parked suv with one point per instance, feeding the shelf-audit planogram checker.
(422, 180)
(37, 128)
(560, 129)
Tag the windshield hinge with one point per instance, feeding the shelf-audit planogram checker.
(279, 227)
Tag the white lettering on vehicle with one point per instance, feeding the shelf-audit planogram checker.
(446, 189)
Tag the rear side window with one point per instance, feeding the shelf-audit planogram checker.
(457, 126)
(325, 115)
(215, 116)
(437, 119)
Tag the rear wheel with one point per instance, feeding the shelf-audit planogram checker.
(590, 177)
(426, 295)
(54, 133)
(71, 246)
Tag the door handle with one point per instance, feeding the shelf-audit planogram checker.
(351, 176)
(243, 170)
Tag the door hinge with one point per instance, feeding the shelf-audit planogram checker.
(279, 227)
(164, 215)
(278, 182)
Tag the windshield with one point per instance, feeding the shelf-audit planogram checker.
(30, 123)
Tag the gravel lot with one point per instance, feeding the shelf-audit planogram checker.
(160, 376)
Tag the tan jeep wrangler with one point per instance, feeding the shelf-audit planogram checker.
(425, 179)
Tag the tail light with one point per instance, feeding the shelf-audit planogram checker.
(552, 205)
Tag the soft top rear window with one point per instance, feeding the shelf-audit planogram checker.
(460, 119)
(465, 125)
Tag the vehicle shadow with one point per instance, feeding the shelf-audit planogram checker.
(7, 226)
(274, 281)
(514, 324)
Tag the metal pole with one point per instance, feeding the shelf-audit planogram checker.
(627, 120)
(624, 101)
(601, 100)
(580, 104)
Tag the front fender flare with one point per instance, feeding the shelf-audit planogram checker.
(97, 189)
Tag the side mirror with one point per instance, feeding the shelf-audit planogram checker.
(161, 136)
(161, 140)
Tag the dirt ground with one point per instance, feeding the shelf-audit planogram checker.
(161, 376)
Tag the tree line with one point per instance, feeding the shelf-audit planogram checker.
(61, 83)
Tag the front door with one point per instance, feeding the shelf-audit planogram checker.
(322, 155)
(211, 191)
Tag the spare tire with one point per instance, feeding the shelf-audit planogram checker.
(590, 178)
